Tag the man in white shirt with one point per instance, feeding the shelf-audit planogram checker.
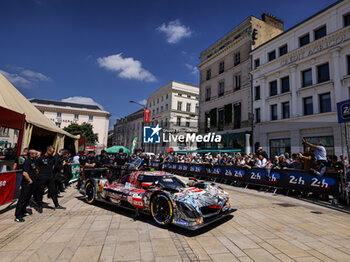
(320, 157)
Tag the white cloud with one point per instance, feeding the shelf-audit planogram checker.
(127, 68)
(16, 79)
(35, 76)
(24, 77)
(81, 100)
(194, 70)
(175, 31)
(142, 102)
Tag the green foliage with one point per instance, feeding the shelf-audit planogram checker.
(84, 130)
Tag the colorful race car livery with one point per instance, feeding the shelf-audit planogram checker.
(162, 195)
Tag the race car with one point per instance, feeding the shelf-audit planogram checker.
(163, 196)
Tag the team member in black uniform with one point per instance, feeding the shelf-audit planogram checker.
(19, 160)
(120, 159)
(45, 167)
(102, 160)
(29, 180)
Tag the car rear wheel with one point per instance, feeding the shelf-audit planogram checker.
(90, 193)
(161, 209)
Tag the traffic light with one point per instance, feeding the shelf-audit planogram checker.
(255, 34)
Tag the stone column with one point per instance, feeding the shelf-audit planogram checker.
(264, 94)
(294, 87)
(336, 77)
(247, 148)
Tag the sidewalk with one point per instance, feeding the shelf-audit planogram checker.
(264, 228)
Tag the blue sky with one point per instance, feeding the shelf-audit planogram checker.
(113, 51)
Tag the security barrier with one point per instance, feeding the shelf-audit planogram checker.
(300, 180)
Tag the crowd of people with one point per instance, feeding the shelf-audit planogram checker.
(53, 172)
(314, 159)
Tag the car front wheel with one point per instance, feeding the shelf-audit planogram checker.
(90, 193)
(161, 209)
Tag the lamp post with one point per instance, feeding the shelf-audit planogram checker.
(143, 121)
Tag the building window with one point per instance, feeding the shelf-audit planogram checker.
(188, 107)
(161, 109)
(157, 110)
(285, 110)
(279, 147)
(154, 102)
(166, 106)
(59, 114)
(237, 82)
(348, 63)
(347, 19)
(162, 98)
(237, 59)
(179, 105)
(320, 32)
(58, 124)
(322, 73)
(285, 84)
(257, 115)
(273, 88)
(197, 108)
(256, 63)
(283, 50)
(304, 40)
(221, 120)
(208, 94)
(257, 93)
(178, 121)
(221, 89)
(208, 74)
(274, 115)
(272, 55)
(325, 103)
(187, 122)
(153, 112)
(221, 67)
(307, 77)
(166, 122)
(157, 100)
(76, 116)
(91, 118)
(237, 114)
(43, 112)
(308, 106)
(167, 96)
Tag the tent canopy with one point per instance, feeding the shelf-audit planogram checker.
(115, 150)
(12, 99)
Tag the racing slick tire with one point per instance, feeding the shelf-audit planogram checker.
(162, 209)
(90, 193)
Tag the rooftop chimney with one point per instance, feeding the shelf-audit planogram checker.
(272, 20)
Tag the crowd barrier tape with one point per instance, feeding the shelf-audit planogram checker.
(300, 180)
(10, 186)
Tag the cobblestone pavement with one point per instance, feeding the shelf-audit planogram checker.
(264, 228)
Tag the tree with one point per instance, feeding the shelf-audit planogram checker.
(84, 130)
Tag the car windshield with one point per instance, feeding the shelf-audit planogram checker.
(170, 182)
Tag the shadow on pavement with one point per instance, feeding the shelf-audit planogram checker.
(148, 219)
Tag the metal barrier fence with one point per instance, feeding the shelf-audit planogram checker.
(289, 179)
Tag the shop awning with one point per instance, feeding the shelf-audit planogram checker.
(12, 99)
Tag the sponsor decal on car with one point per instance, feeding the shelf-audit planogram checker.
(181, 222)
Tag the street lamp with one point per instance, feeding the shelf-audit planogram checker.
(143, 121)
